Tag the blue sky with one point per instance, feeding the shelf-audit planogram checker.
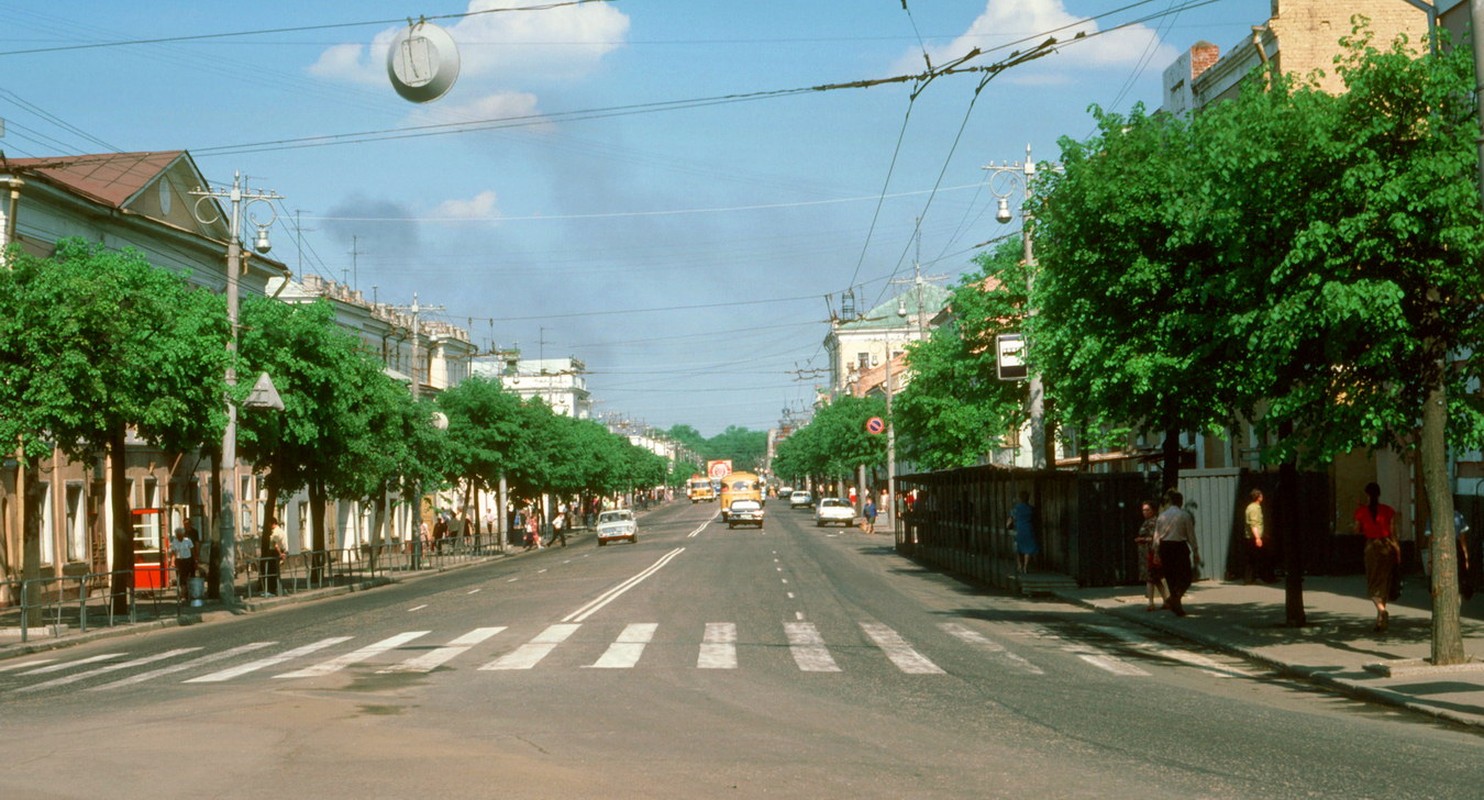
(666, 210)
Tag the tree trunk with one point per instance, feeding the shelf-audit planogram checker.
(1447, 636)
(31, 499)
(320, 547)
(123, 532)
(1172, 458)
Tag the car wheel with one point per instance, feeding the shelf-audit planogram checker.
(633, 540)
(602, 542)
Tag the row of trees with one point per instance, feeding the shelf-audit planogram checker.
(1306, 261)
(95, 345)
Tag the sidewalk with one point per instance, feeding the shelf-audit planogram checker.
(1337, 647)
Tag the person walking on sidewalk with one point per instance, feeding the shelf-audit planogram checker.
(1150, 570)
(184, 551)
(1174, 535)
(1023, 521)
(1255, 542)
(1377, 522)
(868, 515)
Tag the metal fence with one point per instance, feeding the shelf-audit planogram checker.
(57, 605)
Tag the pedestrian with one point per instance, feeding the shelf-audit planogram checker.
(868, 515)
(1150, 570)
(270, 557)
(184, 551)
(559, 528)
(533, 530)
(1022, 521)
(1255, 542)
(1461, 537)
(1377, 522)
(1174, 537)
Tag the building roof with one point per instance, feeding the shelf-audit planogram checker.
(886, 316)
(112, 179)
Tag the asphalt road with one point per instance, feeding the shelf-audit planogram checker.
(698, 662)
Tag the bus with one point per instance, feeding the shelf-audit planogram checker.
(699, 489)
(738, 486)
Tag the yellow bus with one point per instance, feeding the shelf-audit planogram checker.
(739, 486)
(699, 489)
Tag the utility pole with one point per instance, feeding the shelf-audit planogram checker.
(226, 508)
(417, 512)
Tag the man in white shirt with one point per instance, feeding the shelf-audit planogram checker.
(1174, 535)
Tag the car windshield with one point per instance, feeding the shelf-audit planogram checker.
(831, 502)
(614, 516)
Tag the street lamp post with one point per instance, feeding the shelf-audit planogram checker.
(1043, 449)
(242, 200)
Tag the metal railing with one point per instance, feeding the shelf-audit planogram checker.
(61, 603)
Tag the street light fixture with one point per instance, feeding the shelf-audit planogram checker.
(1003, 180)
(241, 200)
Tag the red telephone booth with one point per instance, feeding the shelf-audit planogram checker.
(151, 567)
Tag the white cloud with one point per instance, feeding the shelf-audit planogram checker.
(518, 107)
(500, 49)
(481, 206)
(1030, 22)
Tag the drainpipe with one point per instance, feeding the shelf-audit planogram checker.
(7, 230)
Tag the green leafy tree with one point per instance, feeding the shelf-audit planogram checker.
(486, 435)
(835, 443)
(955, 409)
(322, 375)
(92, 344)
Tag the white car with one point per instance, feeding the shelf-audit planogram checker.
(800, 499)
(617, 524)
(745, 512)
(834, 511)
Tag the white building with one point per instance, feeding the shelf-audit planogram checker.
(559, 382)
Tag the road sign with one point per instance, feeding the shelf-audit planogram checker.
(875, 425)
(1011, 356)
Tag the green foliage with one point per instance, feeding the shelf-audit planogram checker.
(92, 340)
(955, 410)
(835, 442)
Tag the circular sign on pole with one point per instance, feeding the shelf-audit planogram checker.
(422, 62)
(875, 425)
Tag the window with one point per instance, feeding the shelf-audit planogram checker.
(77, 524)
(48, 526)
(862, 360)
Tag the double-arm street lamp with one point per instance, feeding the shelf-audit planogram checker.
(1003, 181)
(242, 201)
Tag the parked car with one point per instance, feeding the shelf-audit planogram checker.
(745, 512)
(832, 511)
(617, 524)
(800, 499)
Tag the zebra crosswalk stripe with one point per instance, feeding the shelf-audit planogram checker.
(270, 661)
(431, 660)
(629, 646)
(896, 648)
(530, 654)
(808, 649)
(718, 646)
(355, 656)
(75, 677)
(979, 640)
(210, 658)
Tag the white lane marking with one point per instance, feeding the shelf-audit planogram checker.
(697, 532)
(71, 664)
(354, 657)
(790, 595)
(718, 646)
(799, 615)
(978, 640)
(1208, 665)
(270, 661)
(138, 662)
(24, 664)
(628, 647)
(808, 649)
(541, 571)
(431, 660)
(896, 648)
(609, 596)
(182, 667)
(473, 591)
(512, 580)
(529, 654)
(785, 580)
(1111, 664)
(417, 608)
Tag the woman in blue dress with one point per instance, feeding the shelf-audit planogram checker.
(1022, 520)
